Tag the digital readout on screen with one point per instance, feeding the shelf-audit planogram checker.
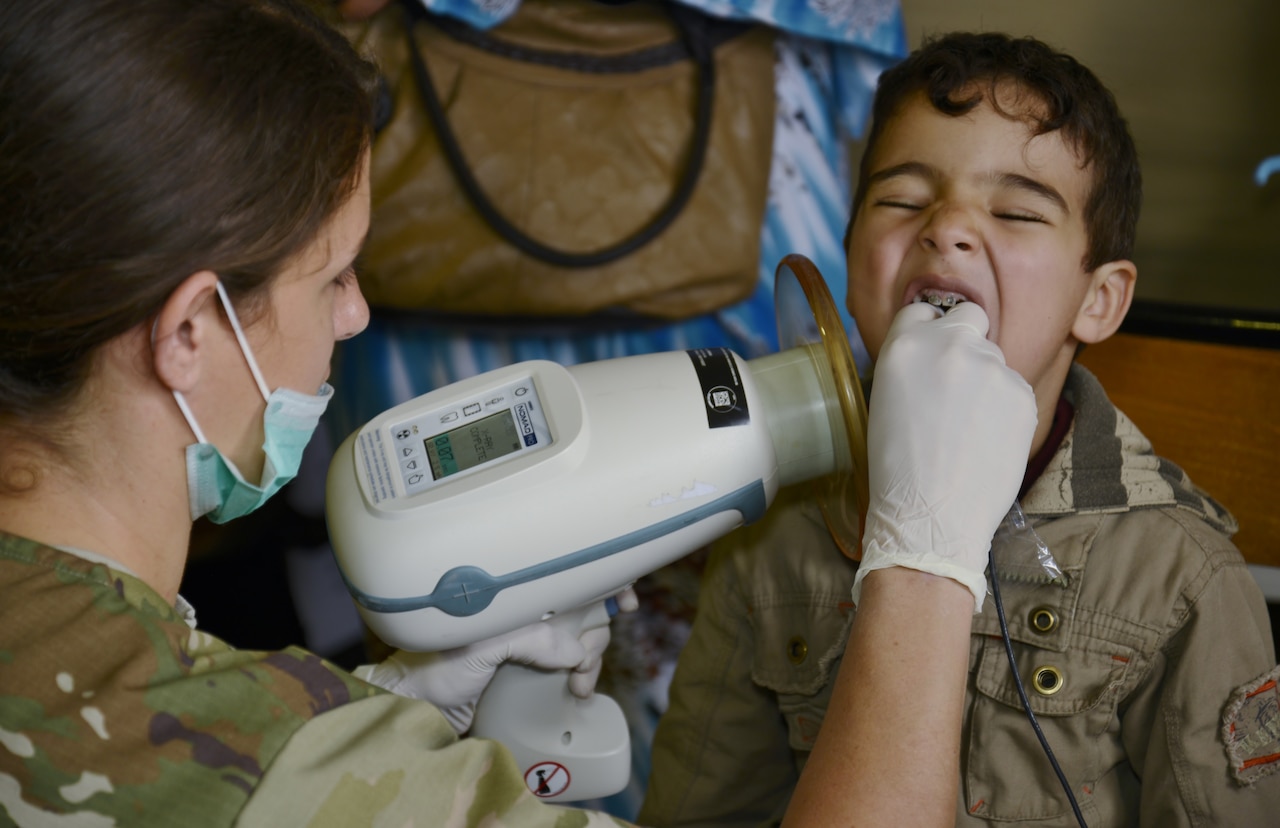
(479, 442)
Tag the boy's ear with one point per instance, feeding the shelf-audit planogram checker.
(1106, 302)
(182, 328)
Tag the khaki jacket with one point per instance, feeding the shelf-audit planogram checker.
(1149, 663)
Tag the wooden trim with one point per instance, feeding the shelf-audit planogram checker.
(1212, 408)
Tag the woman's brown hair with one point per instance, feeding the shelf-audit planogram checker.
(142, 141)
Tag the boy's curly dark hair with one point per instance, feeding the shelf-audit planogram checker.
(958, 71)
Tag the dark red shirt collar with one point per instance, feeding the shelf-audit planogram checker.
(1062, 416)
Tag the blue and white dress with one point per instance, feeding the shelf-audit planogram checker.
(829, 54)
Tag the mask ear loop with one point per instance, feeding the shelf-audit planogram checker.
(181, 399)
(244, 343)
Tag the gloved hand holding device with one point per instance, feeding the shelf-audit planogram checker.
(453, 680)
(948, 436)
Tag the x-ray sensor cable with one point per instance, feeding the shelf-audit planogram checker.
(1022, 693)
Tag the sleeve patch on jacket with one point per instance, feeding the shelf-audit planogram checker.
(1251, 728)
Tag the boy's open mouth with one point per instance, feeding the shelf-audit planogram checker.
(940, 298)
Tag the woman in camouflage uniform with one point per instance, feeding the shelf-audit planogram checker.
(171, 169)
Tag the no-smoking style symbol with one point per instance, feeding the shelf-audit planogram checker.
(547, 779)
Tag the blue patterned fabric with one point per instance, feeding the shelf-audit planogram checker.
(828, 57)
(829, 54)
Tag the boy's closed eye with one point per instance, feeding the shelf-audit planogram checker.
(1026, 199)
(1005, 213)
(1016, 214)
(898, 203)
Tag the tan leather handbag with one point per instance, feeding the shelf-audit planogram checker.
(582, 157)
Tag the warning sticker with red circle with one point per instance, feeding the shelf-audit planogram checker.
(547, 779)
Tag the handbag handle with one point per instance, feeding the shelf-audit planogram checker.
(693, 34)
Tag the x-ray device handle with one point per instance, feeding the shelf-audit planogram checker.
(571, 746)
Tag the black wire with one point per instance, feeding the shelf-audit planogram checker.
(1022, 692)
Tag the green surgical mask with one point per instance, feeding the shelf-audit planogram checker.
(214, 485)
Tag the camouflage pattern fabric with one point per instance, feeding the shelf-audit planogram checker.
(114, 712)
(392, 762)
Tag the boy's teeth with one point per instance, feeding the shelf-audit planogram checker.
(941, 299)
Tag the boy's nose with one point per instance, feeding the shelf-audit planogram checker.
(950, 228)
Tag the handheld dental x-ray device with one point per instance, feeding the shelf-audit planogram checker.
(538, 491)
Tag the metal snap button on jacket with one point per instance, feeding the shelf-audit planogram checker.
(797, 650)
(1044, 619)
(1047, 680)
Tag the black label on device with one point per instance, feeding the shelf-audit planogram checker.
(722, 391)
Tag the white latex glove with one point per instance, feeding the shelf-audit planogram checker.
(582, 681)
(453, 680)
(948, 435)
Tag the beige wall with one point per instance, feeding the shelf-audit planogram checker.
(1200, 85)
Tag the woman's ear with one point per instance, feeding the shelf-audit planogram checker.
(181, 330)
(1106, 302)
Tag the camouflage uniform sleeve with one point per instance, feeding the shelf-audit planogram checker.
(390, 761)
